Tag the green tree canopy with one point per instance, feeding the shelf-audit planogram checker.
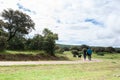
(2, 32)
(16, 22)
(36, 43)
(49, 41)
(3, 43)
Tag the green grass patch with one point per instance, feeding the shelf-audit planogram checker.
(106, 70)
(22, 52)
(108, 56)
(28, 56)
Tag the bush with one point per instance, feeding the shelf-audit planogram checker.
(80, 54)
(98, 49)
(66, 49)
(117, 51)
(16, 43)
(75, 53)
(110, 49)
(3, 43)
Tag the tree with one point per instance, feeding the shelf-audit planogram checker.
(36, 43)
(98, 49)
(2, 32)
(109, 49)
(49, 41)
(66, 49)
(16, 22)
(84, 46)
(17, 43)
(3, 43)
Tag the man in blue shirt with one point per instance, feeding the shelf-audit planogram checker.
(89, 53)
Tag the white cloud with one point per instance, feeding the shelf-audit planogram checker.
(67, 18)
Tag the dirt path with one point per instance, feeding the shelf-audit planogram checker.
(9, 63)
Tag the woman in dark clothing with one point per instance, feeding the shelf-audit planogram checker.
(84, 53)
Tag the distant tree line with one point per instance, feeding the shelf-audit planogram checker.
(96, 50)
(15, 24)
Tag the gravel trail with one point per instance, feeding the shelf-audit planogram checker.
(10, 63)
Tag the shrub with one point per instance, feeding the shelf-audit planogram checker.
(66, 49)
(110, 49)
(75, 53)
(118, 51)
(16, 43)
(80, 54)
(99, 49)
(3, 43)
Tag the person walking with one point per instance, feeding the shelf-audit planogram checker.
(89, 53)
(84, 53)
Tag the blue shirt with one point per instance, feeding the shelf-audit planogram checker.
(89, 51)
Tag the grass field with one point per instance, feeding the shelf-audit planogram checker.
(21, 52)
(9, 55)
(109, 69)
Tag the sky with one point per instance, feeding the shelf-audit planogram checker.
(77, 22)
